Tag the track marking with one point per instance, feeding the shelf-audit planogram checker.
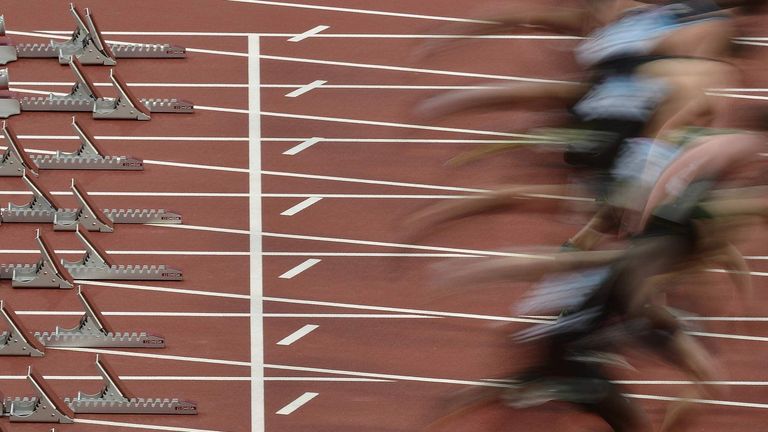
(309, 33)
(304, 89)
(164, 289)
(303, 146)
(142, 194)
(368, 181)
(364, 316)
(133, 138)
(298, 334)
(290, 274)
(155, 356)
(405, 310)
(195, 166)
(729, 336)
(333, 35)
(131, 252)
(699, 401)
(143, 314)
(140, 426)
(363, 11)
(327, 379)
(221, 109)
(296, 404)
(256, 269)
(365, 196)
(200, 228)
(137, 84)
(415, 70)
(301, 206)
(217, 52)
(372, 254)
(409, 140)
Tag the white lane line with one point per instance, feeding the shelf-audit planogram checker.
(290, 274)
(405, 310)
(131, 252)
(729, 336)
(217, 52)
(311, 86)
(337, 35)
(301, 206)
(131, 378)
(298, 334)
(699, 401)
(392, 124)
(402, 245)
(309, 33)
(134, 138)
(164, 289)
(368, 181)
(372, 254)
(662, 382)
(195, 166)
(141, 194)
(143, 314)
(296, 404)
(407, 140)
(140, 426)
(364, 196)
(136, 84)
(415, 70)
(363, 11)
(321, 379)
(200, 228)
(256, 269)
(221, 109)
(345, 316)
(303, 146)
(155, 356)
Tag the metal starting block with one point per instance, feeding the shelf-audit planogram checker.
(96, 265)
(87, 45)
(93, 331)
(114, 398)
(46, 407)
(84, 97)
(7, 47)
(16, 341)
(9, 105)
(44, 209)
(47, 272)
(88, 157)
(15, 162)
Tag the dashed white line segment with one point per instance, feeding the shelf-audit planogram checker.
(309, 33)
(302, 146)
(290, 274)
(298, 334)
(304, 89)
(297, 403)
(301, 206)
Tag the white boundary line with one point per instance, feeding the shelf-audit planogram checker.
(256, 271)
(309, 33)
(140, 426)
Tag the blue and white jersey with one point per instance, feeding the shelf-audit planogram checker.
(622, 97)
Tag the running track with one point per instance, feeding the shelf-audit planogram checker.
(376, 348)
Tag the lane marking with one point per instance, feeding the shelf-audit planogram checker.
(133, 138)
(415, 70)
(296, 404)
(221, 109)
(304, 89)
(699, 401)
(217, 52)
(373, 254)
(301, 206)
(309, 33)
(729, 336)
(131, 252)
(328, 379)
(363, 11)
(140, 426)
(406, 310)
(290, 274)
(298, 334)
(139, 194)
(333, 35)
(364, 316)
(143, 314)
(365, 196)
(155, 356)
(164, 289)
(200, 228)
(303, 146)
(407, 140)
(256, 288)
(368, 181)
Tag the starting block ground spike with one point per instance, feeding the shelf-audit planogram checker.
(93, 331)
(15, 341)
(47, 273)
(114, 398)
(89, 156)
(15, 162)
(96, 265)
(46, 407)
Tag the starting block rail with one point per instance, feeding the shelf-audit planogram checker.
(44, 209)
(87, 45)
(89, 156)
(93, 331)
(45, 407)
(114, 398)
(83, 97)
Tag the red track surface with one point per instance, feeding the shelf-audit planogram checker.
(419, 352)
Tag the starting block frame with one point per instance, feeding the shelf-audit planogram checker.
(15, 341)
(114, 398)
(9, 104)
(44, 209)
(46, 273)
(88, 46)
(89, 156)
(15, 162)
(46, 407)
(84, 97)
(96, 265)
(93, 331)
